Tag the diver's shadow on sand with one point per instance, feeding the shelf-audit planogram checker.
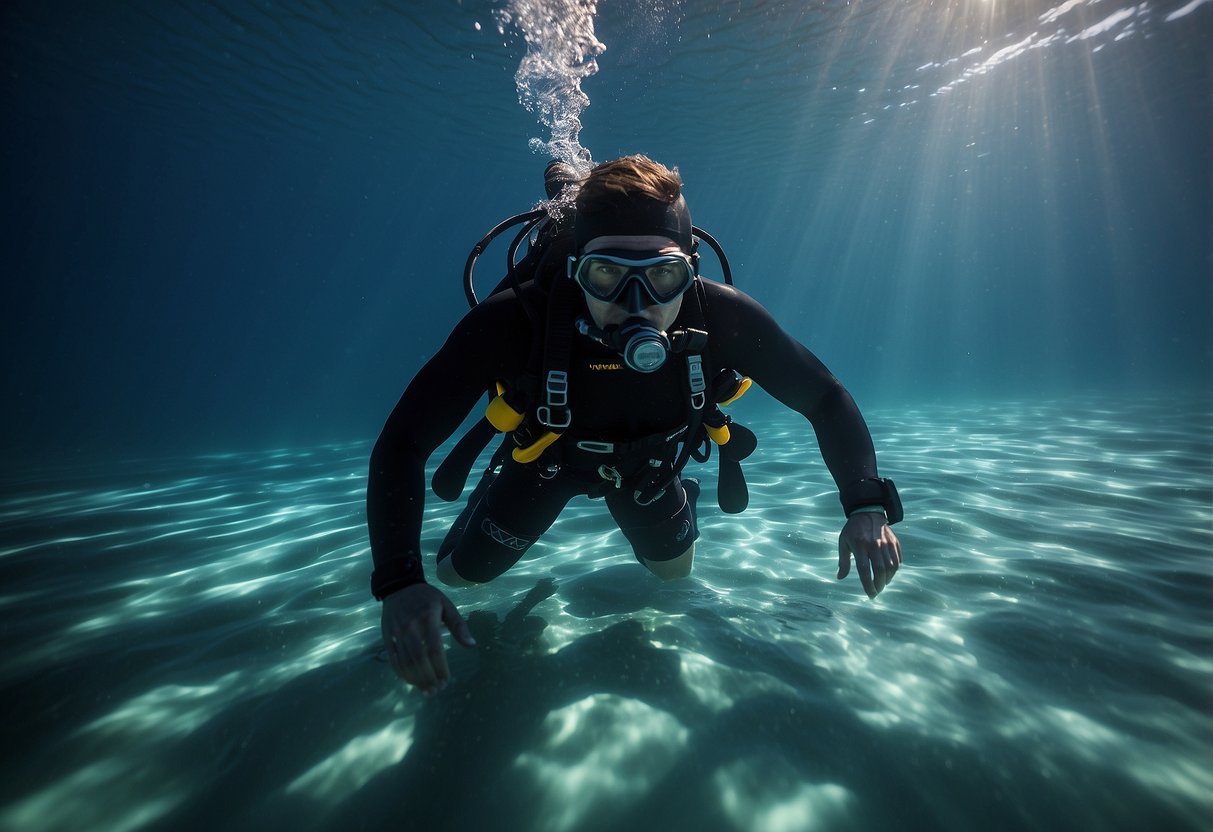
(624, 589)
(502, 749)
(461, 770)
(793, 742)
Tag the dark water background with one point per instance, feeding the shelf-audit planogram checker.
(237, 224)
(235, 232)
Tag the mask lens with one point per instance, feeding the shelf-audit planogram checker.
(667, 278)
(604, 276)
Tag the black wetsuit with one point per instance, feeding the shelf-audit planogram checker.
(608, 402)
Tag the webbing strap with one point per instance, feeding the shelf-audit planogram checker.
(698, 369)
(553, 412)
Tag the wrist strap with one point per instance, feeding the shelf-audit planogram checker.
(867, 510)
(869, 492)
(381, 593)
(396, 573)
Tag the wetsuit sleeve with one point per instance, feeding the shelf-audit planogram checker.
(434, 404)
(746, 338)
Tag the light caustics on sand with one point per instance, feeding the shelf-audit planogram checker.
(251, 571)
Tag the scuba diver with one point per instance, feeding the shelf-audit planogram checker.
(606, 358)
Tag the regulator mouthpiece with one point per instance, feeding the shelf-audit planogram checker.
(643, 347)
(646, 347)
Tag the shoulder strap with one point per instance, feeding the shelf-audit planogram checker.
(699, 369)
(553, 408)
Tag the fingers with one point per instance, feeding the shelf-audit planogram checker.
(863, 564)
(414, 662)
(877, 557)
(435, 652)
(416, 654)
(872, 580)
(412, 633)
(456, 624)
(885, 556)
(844, 557)
(393, 657)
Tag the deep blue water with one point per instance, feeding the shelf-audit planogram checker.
(235, 231)
(244, 224)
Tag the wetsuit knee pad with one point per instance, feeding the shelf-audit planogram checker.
(486, 548)
(665, 535)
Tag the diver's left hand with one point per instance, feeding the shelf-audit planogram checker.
(877, 551)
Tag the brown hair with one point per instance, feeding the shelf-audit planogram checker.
(627, 178)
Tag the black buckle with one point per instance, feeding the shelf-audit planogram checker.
(548, 418)
(557, 388)
(697, 382)
(555, 413)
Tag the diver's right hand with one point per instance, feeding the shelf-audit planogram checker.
(412, 633)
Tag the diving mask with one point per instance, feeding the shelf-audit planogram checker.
(605, 275)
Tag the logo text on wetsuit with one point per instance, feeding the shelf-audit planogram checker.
(608, 366)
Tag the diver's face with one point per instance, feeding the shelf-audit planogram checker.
(607, 313)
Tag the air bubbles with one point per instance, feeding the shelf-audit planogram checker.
(562, 49)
